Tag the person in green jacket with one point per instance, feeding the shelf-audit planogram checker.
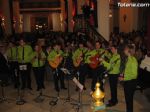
(38, 58)
(81, 69)
(24, 60)
(113, 68)
(97, 73)
(58, 74)
(12, 53)
(129, 76)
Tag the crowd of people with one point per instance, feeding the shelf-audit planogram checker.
(119, 59)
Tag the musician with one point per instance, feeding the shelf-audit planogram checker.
(113, 67)
(78, 56)
(67, 62)
(56, 56)
(12, 54)
(48, 50)
(129, 76)
(24, 60)
(97, 73)
(48, 70)
(38, 61)
(90, 47)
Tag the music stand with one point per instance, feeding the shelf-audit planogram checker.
(68, 99)
(79, 103)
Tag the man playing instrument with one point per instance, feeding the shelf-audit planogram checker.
(96, 72)
(113, 68)
(55, 59)
(12, 54)
(78, 61)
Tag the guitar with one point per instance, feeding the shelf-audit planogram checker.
(78, 61)
(56, 62)
(95, 62)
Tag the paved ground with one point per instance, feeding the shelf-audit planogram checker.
(141, 103)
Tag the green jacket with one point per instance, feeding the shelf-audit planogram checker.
(52, 55)
(38, 62)
(131, 69)
(88, 55)
(113, 66)
(12, 54)
(27, 54)
(77, 53)
(107, 54)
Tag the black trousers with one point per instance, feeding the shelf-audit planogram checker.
(58, 75)
(14, 71)
(97, 76)
(129, 89)
(113, 82)
(82, 73)
(39, 73)
(26, 76)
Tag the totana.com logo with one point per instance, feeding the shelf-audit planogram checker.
(124, 4)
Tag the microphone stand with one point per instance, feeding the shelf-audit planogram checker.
(19, 100)
(68, 99)
(55, 99)
(79, 103)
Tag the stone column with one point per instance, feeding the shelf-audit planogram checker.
(70, 16)
(111, 20)
(26, 23)
(128, 18)
(114, 18)
(103, 18)
(16, 15)
(62, 16)
(5, 6)
(56, 22)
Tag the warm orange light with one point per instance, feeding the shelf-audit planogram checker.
(73, 22)
(92, 5)
(73, 11)
(3, 18)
